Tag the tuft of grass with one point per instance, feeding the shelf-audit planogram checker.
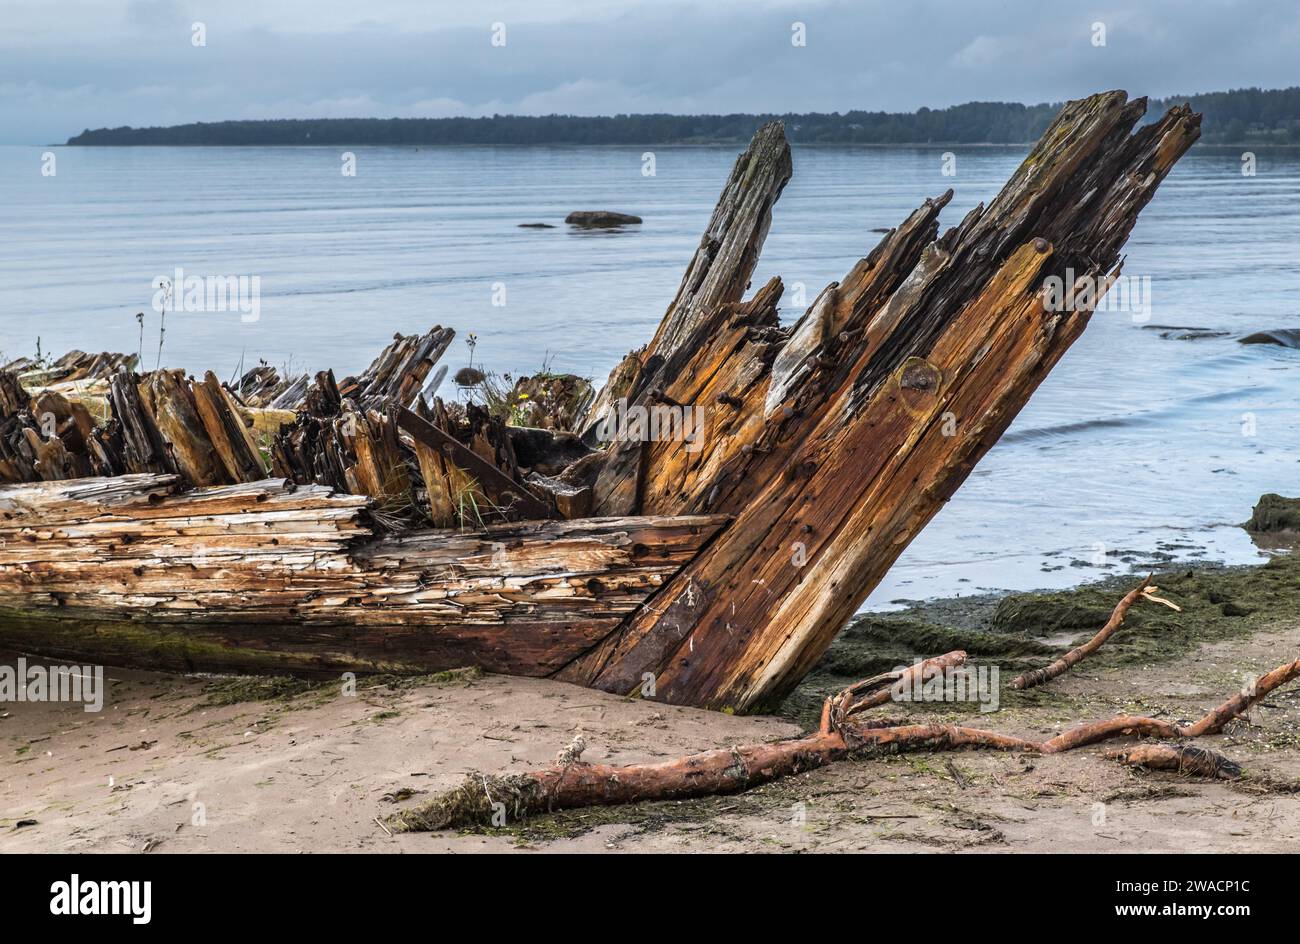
(239, 689)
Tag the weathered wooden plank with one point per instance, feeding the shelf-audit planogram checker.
(231, 437)
(448, 488)
(73, 367)
(167, 396)
(399, 370)
(143, 448)
(715, 278)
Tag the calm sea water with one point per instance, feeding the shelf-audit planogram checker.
(1136, 442)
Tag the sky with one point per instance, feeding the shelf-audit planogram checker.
(67, 65)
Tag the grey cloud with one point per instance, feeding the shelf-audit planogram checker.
(385, 59)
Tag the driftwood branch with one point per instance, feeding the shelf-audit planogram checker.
(873, 692)
(1077, 655)
(730, 770)
(1179, 758)
(1258, 689)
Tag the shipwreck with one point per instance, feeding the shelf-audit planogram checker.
(312, 526)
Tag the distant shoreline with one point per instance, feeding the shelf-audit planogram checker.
(817, 145)
(1242, 117)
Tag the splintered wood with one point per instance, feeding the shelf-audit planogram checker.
(85, 416)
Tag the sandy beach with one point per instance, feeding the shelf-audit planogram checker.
(183, 763)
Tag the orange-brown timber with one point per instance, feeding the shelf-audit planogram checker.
(723, 570)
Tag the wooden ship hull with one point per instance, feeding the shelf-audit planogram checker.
(269, 576)
(315, 527)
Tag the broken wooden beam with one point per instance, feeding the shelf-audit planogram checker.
(72, 367)
(715, 278)
(399, 371)
(231, 434)
(143, 448)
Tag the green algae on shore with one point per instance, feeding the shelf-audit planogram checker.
(1026, 630)
(237, 689)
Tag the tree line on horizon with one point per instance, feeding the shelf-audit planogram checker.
(1242, 116)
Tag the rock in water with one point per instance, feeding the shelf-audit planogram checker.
(600, 219)
(1274, 513)
(1282, 337)
(1183, 333)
